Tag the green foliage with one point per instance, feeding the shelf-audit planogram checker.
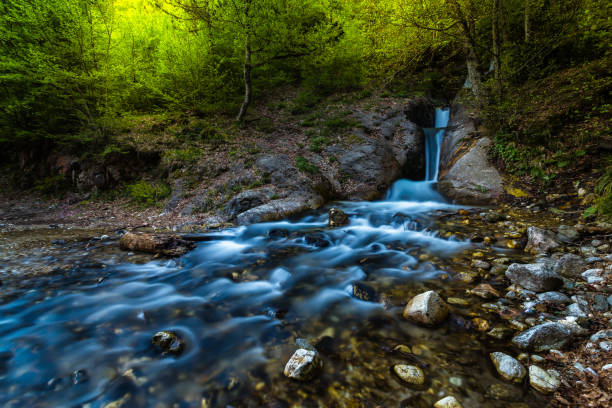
(184, 156)
(318, 144)
(305, 166)
(51, 185)
(147, 194)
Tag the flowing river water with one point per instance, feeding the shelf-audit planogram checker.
(243, 301)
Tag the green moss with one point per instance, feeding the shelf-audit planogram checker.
(305, 166)
(185, 156)
(147, 194)
(318, 143)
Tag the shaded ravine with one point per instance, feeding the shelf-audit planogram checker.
(242, 301)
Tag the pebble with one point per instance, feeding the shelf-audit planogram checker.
(302, 365)
(448, 402)
(410, 374)
(485, 291)
(544, 381)
(553, 297)
(537, 277)
(508, 367)
(457, 301)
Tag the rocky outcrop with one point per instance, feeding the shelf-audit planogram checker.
(167, 245)
(247, 200)
(392, 146)
(473, 179)
(467, 176)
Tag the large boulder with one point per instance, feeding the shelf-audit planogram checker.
(540, 241)
(428, 308)
(472, 179)
(538, 277)
(545, 336)
(281, 208)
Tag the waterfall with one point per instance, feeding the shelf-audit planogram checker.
(433, 141)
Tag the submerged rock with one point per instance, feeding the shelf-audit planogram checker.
(168, 342)
(570, 265)
(303, 365)
(428, 308)
(448, 402)
(545, 381)
(364, 292)
(540, 241)
(567, 234)
(485, 291)
(537, 277)
(168, 245)
(410, 374)
(508, 367)
(542, 337)
(337, 217)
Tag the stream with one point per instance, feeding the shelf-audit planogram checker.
(245, 299)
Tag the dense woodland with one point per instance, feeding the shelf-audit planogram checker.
(75, 72)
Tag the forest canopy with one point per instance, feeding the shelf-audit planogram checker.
(70, 68)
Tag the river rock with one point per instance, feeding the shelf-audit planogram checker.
(168, 245)
(460, 183)
(448, 402)
(485, 291)
(428, 308)
(542, 337)
(569, 265)
(281, 208)
(508, 367)
(545, 381)
(303, 365)
(364, 292)
(410, 374)
(540, 241)
(567, 234)
(557, 298)
(337, 217)
(168, 342)
(538, 277)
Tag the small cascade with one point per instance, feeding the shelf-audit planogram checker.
(433, 142)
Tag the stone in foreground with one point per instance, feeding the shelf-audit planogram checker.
(428, 308)
(536, 277)
(540, 241)
(410, 374)
(570, 265)
(166, 245)
(168, 342)
(508, 367)
(448, 402)
(542, 380)
(303, 365)
(542, 337)
(337, 218)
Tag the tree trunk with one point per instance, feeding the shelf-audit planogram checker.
(496, 46)
(247, 81)
(471, 60)
(527, 21)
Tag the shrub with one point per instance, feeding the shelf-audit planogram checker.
(147, 194)
(305, 166)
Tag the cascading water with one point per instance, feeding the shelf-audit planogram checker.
(433, 141)
(241, 301)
